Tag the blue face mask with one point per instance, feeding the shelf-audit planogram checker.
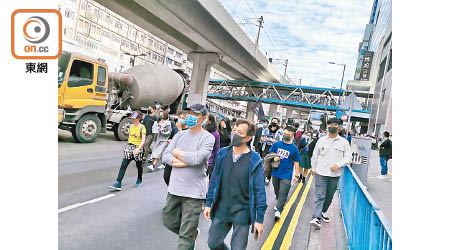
(182, 121)
(191, 121)
(204, 123)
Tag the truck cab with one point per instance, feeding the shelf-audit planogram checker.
(82, 93)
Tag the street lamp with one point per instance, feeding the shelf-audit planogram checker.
(134, 57)
(342, 80)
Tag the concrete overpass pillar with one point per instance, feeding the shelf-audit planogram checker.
(289, 111)
(250, 113)
(272, 110)
(201, 69)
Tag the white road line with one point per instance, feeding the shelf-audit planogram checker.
(64, 209)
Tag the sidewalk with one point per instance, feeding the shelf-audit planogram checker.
(381, 190)
(332, 235)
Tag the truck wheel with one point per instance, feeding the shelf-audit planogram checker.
(123, 129)
(87, 129)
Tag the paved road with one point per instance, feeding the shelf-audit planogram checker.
(132, 218)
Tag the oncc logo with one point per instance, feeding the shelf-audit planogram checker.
(36, 34)
(36, 29)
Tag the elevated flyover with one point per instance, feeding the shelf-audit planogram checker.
(204, 30)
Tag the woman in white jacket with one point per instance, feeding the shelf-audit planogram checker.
(164, 130)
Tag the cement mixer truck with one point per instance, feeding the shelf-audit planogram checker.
(91, 100)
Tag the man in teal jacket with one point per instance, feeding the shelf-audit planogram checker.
(236, 196)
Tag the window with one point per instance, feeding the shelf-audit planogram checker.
(381, 70)
(387, 40)
(390, 61)
(80, 74)
(179, 55)
(83, 5)
(69, 14)
(101, 76)
(63, 61)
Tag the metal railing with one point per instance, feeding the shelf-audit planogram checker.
(365, 225)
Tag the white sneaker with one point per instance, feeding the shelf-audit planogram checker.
(325, 217)
(277, 215)
(381, 177)
(275, 208)
(315, 222)
(151, 167)
(161, 166)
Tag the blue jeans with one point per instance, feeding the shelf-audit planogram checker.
(383, 163)
(219, 230)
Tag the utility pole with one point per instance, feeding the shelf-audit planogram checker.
(260, 21)
(133, 57)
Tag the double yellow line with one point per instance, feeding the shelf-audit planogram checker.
(287, 238)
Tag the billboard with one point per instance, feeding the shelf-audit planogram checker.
(366, 66)
(317, 117)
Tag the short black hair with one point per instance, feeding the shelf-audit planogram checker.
(296, 125)
(386, 134)
(290, 129)
(334, 120)
(251, 129)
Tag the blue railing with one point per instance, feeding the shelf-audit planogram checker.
(365, 225)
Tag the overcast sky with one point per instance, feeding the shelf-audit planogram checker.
(309, 33)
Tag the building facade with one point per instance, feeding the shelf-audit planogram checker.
(377, 44)
(90, 28)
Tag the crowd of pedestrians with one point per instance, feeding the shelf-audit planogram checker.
(222, 167)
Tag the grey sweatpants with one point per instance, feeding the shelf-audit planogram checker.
(181, 215)
(281, 188)
(325, 186)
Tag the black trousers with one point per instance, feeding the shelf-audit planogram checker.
(167, 172)
(123, 169)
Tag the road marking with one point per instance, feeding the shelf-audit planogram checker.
(270, 241)
(294, 221)
(277, 226)
(64, 209)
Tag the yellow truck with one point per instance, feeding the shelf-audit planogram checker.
(92, 101)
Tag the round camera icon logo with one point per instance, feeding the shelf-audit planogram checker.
(36, 29)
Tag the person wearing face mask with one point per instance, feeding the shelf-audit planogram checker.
(133, 151)
(269, 137)
(181, 123)
(289, 156)
(165, 129)
(188, 154)
(385, 154)
(236, 194)
(149, 120)
(305, 161)
(331, 154)
(257, 146)
(224, 132)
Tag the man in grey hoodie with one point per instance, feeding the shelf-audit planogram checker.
(188, 154)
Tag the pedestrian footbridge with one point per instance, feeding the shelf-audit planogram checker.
(281, 94)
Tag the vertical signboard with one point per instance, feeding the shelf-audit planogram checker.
(366, 66)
